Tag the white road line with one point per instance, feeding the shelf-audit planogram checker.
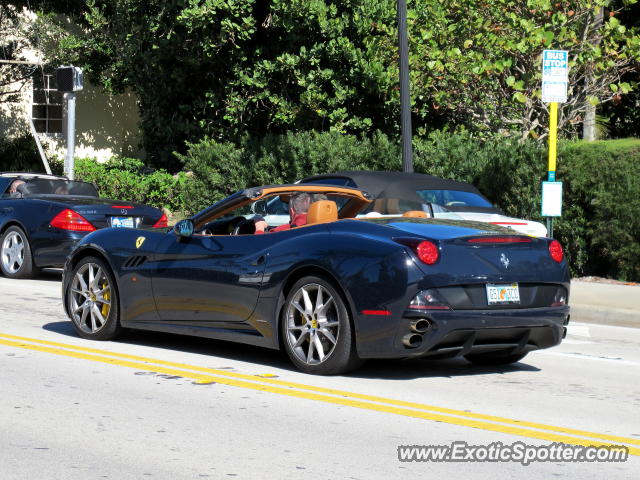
(571, 341)
(594, 325)
(582, 356)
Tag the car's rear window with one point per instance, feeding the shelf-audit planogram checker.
(453, 198)
(42, 186)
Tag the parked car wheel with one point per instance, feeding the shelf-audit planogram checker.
(316, 328)
(92, 300)
(494, 358)
(16, 260)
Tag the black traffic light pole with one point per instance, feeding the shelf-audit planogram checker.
(405, 98)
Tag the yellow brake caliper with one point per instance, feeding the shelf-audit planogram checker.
(107, 296)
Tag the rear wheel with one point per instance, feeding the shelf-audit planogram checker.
(316, 328)
(15, 254)
(92, 300)
(494, 358)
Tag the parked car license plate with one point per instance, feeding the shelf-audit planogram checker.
(500, 294)
(122, 222)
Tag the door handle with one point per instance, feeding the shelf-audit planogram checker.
(258, 261)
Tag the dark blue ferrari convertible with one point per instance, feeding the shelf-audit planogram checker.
(43, 216)
(329, 288)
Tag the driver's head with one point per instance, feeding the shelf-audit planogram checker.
(300, 203)
(13, 188)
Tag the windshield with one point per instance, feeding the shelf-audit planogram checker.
(454, 198)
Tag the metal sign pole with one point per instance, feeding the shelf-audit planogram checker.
(405, 98)
(553, 144)
(555, 83)
(71, 131)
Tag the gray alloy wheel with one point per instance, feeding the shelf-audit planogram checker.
(15, 254)
(316, 328)
(92, 300)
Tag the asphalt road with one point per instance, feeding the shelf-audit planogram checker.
(167, 407)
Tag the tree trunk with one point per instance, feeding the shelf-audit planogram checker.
(589, 131)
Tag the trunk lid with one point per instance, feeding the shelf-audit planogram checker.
(102, 213)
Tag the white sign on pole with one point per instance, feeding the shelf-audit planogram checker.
(555, 75)
(551, 199)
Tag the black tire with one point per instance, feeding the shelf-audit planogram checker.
(306, 336)
(16, 260)
(93, 308)
(494, 358)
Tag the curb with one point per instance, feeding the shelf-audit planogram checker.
(619, 317)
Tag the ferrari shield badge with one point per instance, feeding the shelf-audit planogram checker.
(140, 241)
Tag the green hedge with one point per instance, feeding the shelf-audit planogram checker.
(601, 214)
(128, 179)
(220, 169)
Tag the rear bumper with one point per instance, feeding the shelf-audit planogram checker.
(460, 332)
(52, 246)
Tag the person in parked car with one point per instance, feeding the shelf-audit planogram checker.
(16, 187)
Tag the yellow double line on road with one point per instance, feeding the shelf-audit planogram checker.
(328, 395)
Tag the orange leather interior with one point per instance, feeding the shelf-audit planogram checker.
(415, 214)
(323, 211)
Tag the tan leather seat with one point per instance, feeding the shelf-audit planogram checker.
(415, 214)
(392, 207)
(323, 211)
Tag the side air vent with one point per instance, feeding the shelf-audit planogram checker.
(135, 261)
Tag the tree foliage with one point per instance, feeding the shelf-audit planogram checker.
(15, 39)
(481, 61)
(229, 68)
(623, 112)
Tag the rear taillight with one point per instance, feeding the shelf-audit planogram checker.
(162, 222)
(494, 239)
(428, 300)
(428, 252)
(70, 220)
(555, 249)
(560, 298)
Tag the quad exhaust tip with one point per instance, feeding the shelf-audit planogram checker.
(420, 325)
(412, 340)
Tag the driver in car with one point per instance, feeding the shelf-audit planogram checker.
(298, 208)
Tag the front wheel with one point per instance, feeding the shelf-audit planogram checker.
(92, 300)
(316, 328)
(15, 254)
(494, 358)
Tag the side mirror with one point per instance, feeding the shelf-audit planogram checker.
(184, 228)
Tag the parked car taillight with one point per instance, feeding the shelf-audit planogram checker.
(162, 222)
(555, 249)
(70, 220)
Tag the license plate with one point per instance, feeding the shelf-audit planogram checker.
(503, 294)
(122, 222)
